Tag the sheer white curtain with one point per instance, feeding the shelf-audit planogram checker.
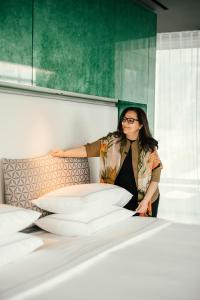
(177, 124)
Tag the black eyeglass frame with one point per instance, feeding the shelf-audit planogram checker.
(129, 120)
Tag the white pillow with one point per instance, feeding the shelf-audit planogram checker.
(63, 225)
(76, 197)
(89, 213)
(17, 245)
(13, 219)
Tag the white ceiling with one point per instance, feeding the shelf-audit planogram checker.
(181, 15)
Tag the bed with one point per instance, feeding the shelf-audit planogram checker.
(138, 258)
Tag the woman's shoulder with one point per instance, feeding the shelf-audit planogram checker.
(110, 136)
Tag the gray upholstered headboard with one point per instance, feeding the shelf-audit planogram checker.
(22, 180)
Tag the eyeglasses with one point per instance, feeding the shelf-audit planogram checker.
(129, 120)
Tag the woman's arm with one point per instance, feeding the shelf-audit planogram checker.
(144, 204)
(76, 152)
(88, 150)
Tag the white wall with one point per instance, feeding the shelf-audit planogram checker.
(32, 126)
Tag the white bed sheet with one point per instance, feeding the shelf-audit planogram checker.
(141, 258)
(52, 240)
(163, 267)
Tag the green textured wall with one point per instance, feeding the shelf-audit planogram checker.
(98, 47)
(16, 41)
(76, 53)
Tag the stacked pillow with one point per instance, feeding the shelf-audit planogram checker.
(14, 244)
(83, 209)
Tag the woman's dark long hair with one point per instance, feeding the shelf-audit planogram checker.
(146, 141)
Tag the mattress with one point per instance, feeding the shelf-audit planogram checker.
(140, 258)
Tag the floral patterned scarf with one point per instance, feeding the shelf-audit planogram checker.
(110, 158)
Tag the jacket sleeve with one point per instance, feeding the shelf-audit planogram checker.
(156, 173)
(93, 149)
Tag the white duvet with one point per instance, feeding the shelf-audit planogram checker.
(140, 258)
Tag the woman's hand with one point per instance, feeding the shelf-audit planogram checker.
(143, 207)
(58, 153)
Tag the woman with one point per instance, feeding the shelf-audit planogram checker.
(128, 158)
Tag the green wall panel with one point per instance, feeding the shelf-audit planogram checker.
(134, 29)
(16, 41)
(151, 82)
(135, 51)
(98, 47)
(125, 104)
(74, 45)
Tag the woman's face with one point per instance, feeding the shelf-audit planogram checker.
(130, 123)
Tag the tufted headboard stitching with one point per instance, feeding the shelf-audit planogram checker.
(23, 180)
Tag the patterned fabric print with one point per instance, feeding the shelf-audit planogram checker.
(110, 157)
(28, 179)
(147, 162)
